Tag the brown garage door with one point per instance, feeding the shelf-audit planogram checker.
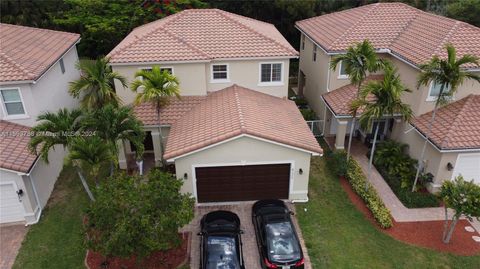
(242, 183)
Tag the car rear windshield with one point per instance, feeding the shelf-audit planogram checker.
(282, 244)
(222, 253)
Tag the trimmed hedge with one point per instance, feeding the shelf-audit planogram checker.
(370, 196)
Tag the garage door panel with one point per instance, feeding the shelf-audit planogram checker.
(11, 209)
(242, 183)
(469, 167)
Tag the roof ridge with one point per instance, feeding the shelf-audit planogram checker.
(455, 122)
(407, 25)
(374, 7)
(224, 14)
(19, 66)
(238, 106)
(447, 36)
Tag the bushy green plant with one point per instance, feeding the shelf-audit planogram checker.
(137, 215)
(337, 161)
(390, 156)
(300, 101)
(308, 114)
(369, 195)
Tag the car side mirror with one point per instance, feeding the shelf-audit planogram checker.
(200, 234)
(292, 213)
(241, 232)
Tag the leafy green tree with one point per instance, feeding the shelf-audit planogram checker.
(380, 99)
(157, 87)
(449, 74)
(31, 13)
(135, 215)
(464, 198)
(114, 124)
(465, 10)
(54, 129)
(96, 86)
(358, 60)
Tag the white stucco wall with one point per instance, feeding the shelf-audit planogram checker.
(28, 198)
(247, 151)
(49, 93)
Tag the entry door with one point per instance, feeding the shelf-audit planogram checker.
(242, 182)
(11, 208)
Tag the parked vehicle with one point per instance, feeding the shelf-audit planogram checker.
(277, 239)
(221, 242)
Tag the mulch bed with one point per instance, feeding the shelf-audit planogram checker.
(158, 260)
(426, 234)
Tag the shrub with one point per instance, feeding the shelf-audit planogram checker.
(370, 196)
(308, 114)
(337, 161)
(136, 215)
(301, 102)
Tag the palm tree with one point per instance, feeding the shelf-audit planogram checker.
(89, 152)
(380, 99)
(116, 123)
(449, 74)
(96, 86)
(157, 87)
(358, 61)
(54, 129)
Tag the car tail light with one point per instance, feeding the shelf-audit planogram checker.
(270, 265)
(300, 262)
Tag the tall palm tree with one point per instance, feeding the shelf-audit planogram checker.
(156, 87)
(116, 123)
(380, 99)
(449, 74)
(96, 85)
(54, 129)
(358, 60)
(89, 152)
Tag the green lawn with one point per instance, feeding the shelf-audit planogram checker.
(338, 236)
(57, 241)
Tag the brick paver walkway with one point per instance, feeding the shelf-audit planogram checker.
(11, 238)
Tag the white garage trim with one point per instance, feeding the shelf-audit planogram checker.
(243, 163)
(457, 162)
(15, 188)
(237, 137)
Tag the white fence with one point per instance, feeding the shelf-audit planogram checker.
(316, 126)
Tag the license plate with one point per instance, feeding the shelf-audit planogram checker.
(285, 266)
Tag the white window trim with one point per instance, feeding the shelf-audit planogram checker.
(4, 108)
(433, 98)
(340, 76)
(212, 80)
(274, 83)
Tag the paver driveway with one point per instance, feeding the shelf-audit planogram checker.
(11, 238)
(244, 212)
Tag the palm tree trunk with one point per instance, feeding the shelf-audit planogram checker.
(85, 184)
(160, 134)
(451, 229)
(371, 156)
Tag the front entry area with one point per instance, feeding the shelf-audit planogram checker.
(242, 182)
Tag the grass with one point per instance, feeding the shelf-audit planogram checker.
(57, 240)
(337, 235)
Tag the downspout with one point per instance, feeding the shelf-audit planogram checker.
(39, 205)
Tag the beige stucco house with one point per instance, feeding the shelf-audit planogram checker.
(36, 66)
(233, 135)
(409, 40)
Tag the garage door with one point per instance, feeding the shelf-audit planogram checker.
(11, 209)
(242, 183)
(468, 165)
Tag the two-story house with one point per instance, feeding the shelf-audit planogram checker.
(233, 129)
(407, 37)
(36, 66)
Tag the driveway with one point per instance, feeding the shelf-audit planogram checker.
(11, 238)
(244, 212)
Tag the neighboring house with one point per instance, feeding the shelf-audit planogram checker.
(36, 66)
(233, 135)
(407, 37)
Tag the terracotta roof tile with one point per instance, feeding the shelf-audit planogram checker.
(456, 126)
(236, 110)
(201, 34)
(26, 52)
(409, 33)
(14, 153)
(339, 100)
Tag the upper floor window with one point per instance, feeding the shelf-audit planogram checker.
(168, 69)
(434, 91)
(62, 66)
(342, 70)
(12, 102)
(219, 73)
(303, 42)
(271, 73)
(314, 52)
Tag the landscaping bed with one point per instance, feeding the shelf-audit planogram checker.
(173, 258)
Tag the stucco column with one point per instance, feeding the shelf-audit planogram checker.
(341, 131)
(122, 157)
(157, 148)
